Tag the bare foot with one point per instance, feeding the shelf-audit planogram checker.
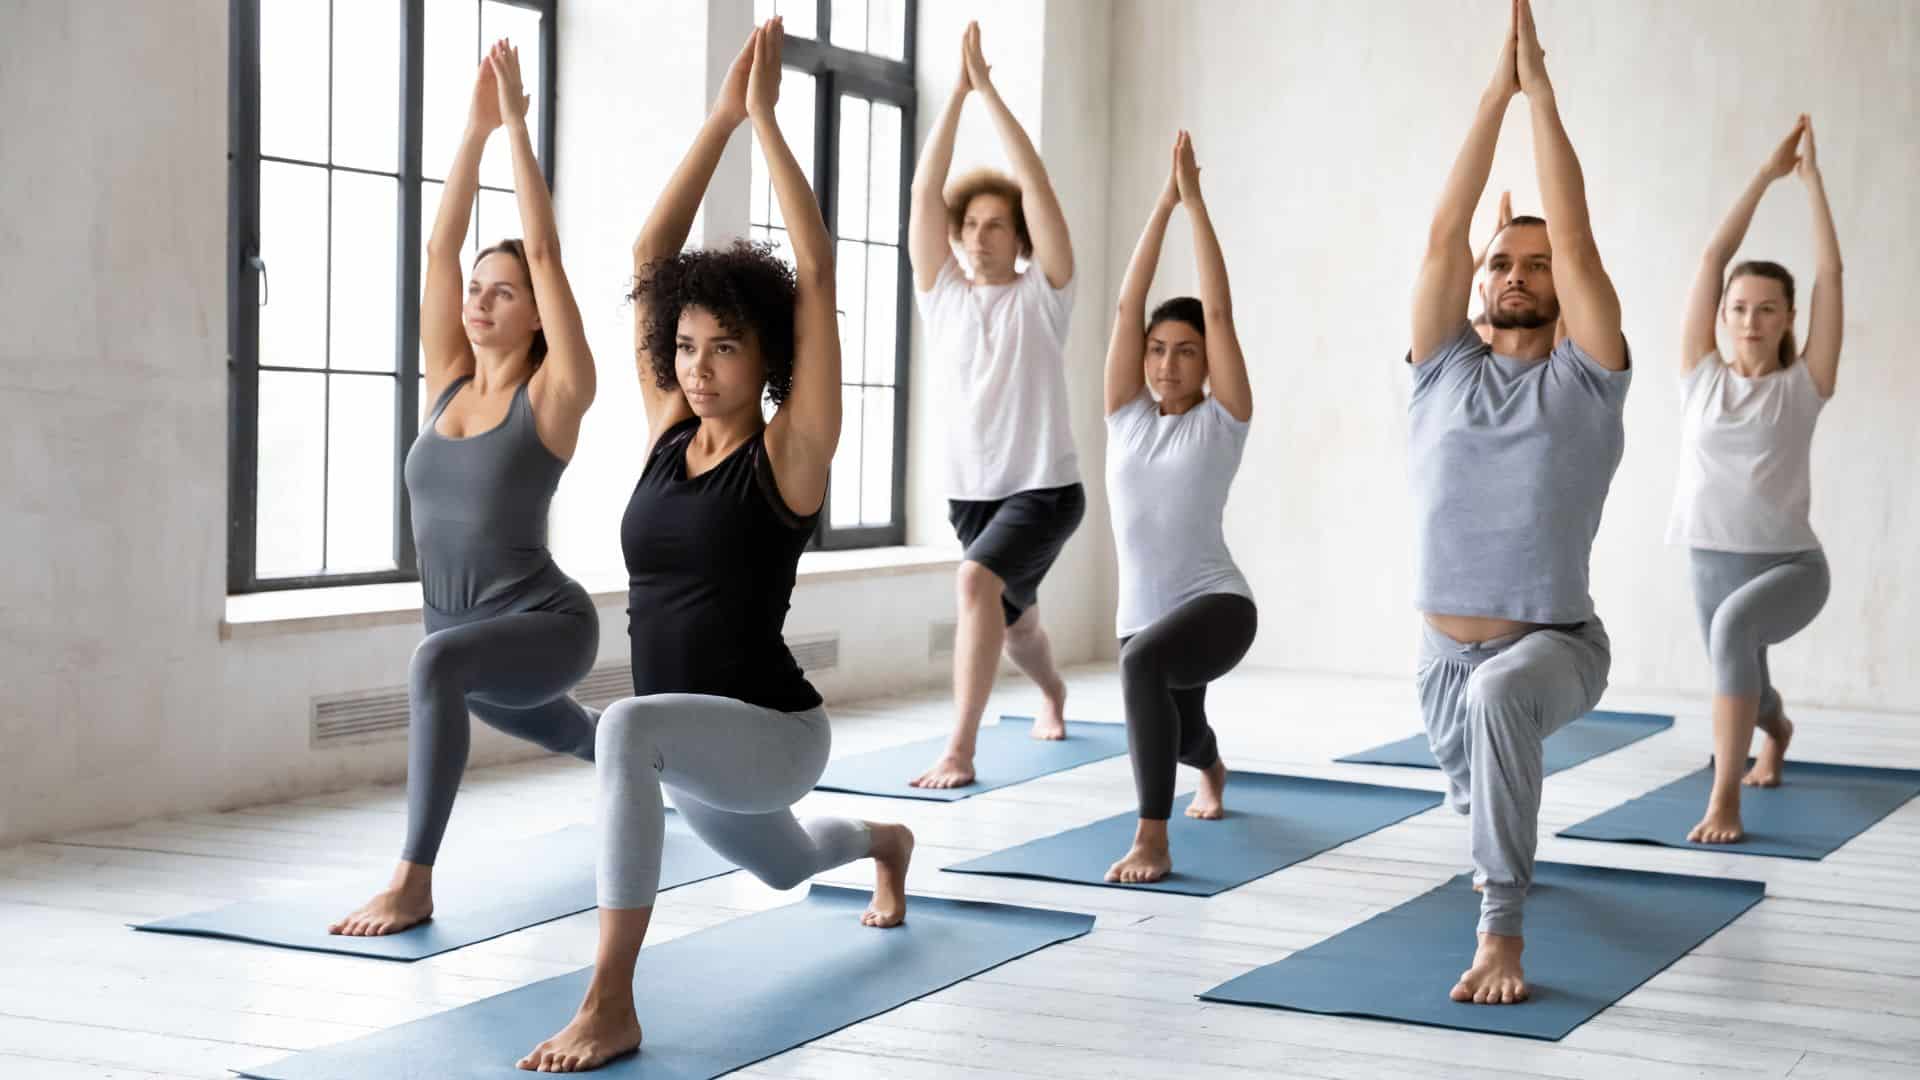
(1051, 724)
(892, 851)
(1767, 763)
(1495, 977)
(599, 1032)
(408, 901)
(951, 771)
(1720, 826)
(1208, 804)
(1148, 860)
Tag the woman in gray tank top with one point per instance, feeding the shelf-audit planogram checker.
(1744, 491)
(508, 634)
(1186, 614)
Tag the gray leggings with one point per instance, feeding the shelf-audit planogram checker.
(735, 769)
(1489, 708)
(1748, 602)
(512, 670)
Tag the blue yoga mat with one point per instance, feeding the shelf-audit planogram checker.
(718, 999)
(1006, 754)
(1599, 732)
(1815, 809)
(1272, 822)
(518, 885)
(1592, 935)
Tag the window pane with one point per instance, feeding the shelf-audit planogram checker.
(293, 244)
(366, 83)
(883, 299)
(803, 16)
(851, 190)
(521, 27)
(366, 212)
(499, 218)
(885, 175)
(293, 79)
(288, 476)
(887, 28)
(850, 293)
(876, 463)
(360, 438)
(429, 207)
(850, 24)
(452, 60)
(844, 483)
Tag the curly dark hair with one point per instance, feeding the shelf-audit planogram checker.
(746, 287)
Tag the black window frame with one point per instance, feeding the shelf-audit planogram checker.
(837, 70)
(245, 273)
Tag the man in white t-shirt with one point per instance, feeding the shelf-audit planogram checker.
(996, 341)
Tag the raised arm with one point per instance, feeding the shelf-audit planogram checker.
(1052, 247)
(666, 228)
(1588, 304)
(1709, 279)
(1445, 282)
(1226, 363)
(1127, 346)
(563, 388)
(928, 244)
(1822, 354)
(1501, 219)
(803, 435)
(445, 353)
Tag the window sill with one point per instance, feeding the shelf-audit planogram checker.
(353, 607)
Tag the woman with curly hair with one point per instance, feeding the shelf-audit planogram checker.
(712, 536)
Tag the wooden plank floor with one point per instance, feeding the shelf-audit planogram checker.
(1821, 980)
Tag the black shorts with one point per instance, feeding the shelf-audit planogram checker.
(1019, 537)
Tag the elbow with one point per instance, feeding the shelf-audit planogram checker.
(541, 250)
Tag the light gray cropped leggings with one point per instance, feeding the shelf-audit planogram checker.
(1748, 602)
(1489, 707)
(734, 769)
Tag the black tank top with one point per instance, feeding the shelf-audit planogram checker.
(710, 569)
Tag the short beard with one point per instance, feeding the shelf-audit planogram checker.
(1531, 319)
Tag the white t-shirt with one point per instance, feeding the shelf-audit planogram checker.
(999, 351)
(1167, 481)
(1745, 484)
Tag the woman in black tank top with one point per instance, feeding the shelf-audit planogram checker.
(712, 536)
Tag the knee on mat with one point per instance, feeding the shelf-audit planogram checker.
(777, 876)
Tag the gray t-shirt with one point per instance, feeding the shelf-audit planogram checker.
(1509, 461)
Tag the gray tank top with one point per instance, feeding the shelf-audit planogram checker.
(1509, 462)
(480, 510)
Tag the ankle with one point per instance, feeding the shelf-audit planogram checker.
(412, 879)
(1151, 833)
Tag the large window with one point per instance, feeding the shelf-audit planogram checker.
(847, 108)
(344, 115)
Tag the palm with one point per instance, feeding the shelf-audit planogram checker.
(1186, 169)
(763, 81)
(1809, 164)
(505, 61)
(1786, 156)
(733, 93)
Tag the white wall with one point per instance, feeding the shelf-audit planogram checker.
(118, 700)
(1325, 132)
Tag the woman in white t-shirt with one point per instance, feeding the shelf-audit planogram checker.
(1186, 614)
(996, 338)
(1741, 503)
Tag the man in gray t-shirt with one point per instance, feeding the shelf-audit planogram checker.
(1512, 445)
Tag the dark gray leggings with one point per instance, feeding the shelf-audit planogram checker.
(512, 670)
(1748, 602)
(1164, 672)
